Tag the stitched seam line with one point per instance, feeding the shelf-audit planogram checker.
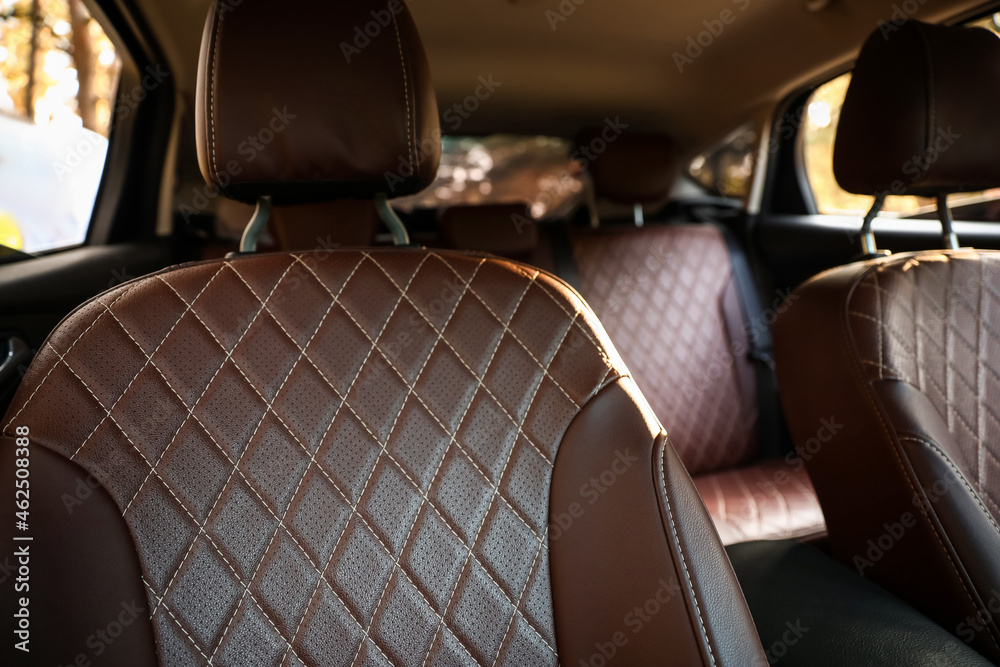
(661, 473)
(68, 350)
(951, 464)
(858, 374)
(211, 94)
(406, 93)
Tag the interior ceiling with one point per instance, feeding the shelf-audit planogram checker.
(609, 58)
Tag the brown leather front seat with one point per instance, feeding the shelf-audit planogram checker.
(902, 350)
(352, 457)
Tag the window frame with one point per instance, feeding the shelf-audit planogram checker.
(128, 197)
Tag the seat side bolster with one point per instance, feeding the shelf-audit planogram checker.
(84, 584)
(865, 482)
(625, 582)
(967, 529)
(721, 613)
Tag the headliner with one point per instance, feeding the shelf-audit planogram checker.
(608, 58)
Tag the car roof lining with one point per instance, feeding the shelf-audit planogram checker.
(608, 59)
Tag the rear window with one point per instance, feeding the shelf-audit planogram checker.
(818, 135)
(539, 172)
(59, 76)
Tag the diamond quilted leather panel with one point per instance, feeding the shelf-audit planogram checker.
(934, 322)
(659, 293)
(343, 462)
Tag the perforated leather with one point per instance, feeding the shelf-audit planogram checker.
(339, 461)
(660, 292)
(934, 322)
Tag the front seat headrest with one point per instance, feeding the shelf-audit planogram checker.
(315, 102)
(921, 113)
(628, 167)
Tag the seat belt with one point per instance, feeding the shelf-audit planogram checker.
(771, 430)
(562, 255)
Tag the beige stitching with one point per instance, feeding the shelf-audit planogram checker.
(211, 92)
(452, 437)
(181, 627)
(951, 464)
(459, 445)
(305, 474)
(61, 356)
(532, 571)
(508, 330)
(180, 504)
(302, 349)
(662, 474)
(149, 360)
(410, 142)
(846, 332)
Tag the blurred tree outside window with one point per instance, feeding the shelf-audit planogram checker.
(504, 169)
(59, 75)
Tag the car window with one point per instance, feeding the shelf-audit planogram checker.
(59, 75)
(727, 168)
(818, 134)
(545, 173)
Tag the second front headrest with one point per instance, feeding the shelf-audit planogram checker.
(920, 116)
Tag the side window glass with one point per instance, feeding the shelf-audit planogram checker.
(727, 169)
(59, 75)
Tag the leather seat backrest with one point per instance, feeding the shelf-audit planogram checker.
(888, 367)
(358, 456)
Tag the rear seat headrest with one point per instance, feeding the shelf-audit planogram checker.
(921, 114)
(628, 167)
(315, 102)
(502, 229)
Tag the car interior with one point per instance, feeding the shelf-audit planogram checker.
(527, 333)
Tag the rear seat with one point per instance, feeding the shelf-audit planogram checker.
(671, 302)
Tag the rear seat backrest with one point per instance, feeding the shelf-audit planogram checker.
(668, 301)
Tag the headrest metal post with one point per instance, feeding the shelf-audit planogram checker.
(947, 230)
(640, 220)
(248, 244)
(868, 247)
(400, 237)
